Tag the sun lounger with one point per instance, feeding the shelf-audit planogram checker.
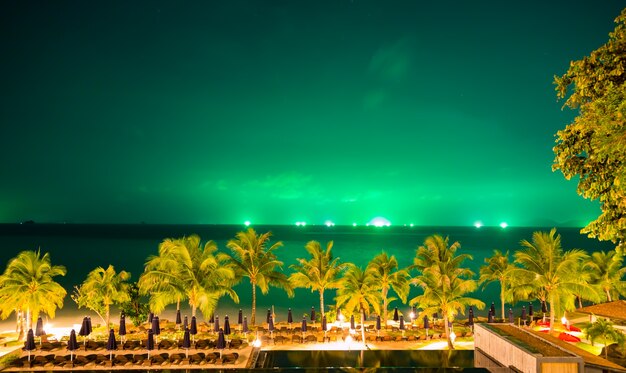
(230, 358)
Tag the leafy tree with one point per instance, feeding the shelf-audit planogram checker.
(27, 285)
(607, 272)
(184, 269)
(319, 273)
(593, 147)
(134, 307)
(603, 328)
(444, 282)
(548, 270)
(498, 269)
(101, 289)
(384, 269)
(251, 258)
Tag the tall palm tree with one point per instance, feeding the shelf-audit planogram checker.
(186, 270)
(27, 284)
(359, 292)
(498, 269)
(101, 289)
(608, 273)
(319, 273)
(604, 329)
(547, 269)
(251, 258)
(385, 270)
(444, 282)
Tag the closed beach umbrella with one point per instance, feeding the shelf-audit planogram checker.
(39, 328)
(269, 314)
(510, 315)
(395, 314)
(156, 327)
(470, 317)
(352, 326)
(84, 330)
(150, 342)
(289, 316)
(245, 324)
(122, 331)
(524, 313)
(490, 317)
(270, 325)
(303, 326)
(89, 328)
(530, 310)
(401, 322)
(544, 307)
(313, 314)
(178, 318)
(240, 317)
(193, 329)
(324, 324)
(493, 309)
(29, 344)
(185, 323)
(150, 317)
(72, 344)
(186, 342)
(221, 342)
(212, 319)
(111, 344)
(426, 322)
(226, 326)
(378, 324)
(216, 324)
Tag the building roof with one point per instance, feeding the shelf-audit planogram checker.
(615, 310)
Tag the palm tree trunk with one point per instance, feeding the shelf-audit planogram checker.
(385, 305)
(253, 318)
(502, 284)
(580, 302)
(447, 330)
(29, 323)
(551, 301)
(322, 301)
(608, 295)
(108, 316)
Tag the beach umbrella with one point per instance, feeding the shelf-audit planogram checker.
(89, 328)
(269, 314)
(352, 326)
(72, 344)
(150, 317)
(270, 325)
(378, 325)
(150, 342)
(530, 310)
(29, 344)
(186, 342)
(84, 331)
(178, 319)
(470, 317)
(122, 331)
(324, 324)
(185, 323)
(245, 324)
(156, 329)
(212, 319)
(401, 322)
(111, 344)
(544, 307)
(303, 327)
(193, 329)
(524, 314)
(221, 342)
(493, 309)
(39, 330)
(490, 317)
(313, 314)
(395, 314)
(289, 317)
(426, 324)
(226, 325)
(510, 315)
(216, 324)
(240, 317)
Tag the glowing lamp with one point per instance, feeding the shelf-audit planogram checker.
(503, 225)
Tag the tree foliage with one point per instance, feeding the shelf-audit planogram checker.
(593, 147)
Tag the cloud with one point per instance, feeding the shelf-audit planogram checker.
(286, 185)
(392, 63)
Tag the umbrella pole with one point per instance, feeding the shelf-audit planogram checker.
(29, 356)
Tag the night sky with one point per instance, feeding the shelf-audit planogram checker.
(438, 113)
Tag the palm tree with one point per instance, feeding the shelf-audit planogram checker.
(186, 270)
(498, 269)
(319, 273)
(444, 282)
(27, 284)
(251, 258)
(548, 270)
(385, 270)
(359, 292)
(102, 289)
(603, 328)
(608, 273)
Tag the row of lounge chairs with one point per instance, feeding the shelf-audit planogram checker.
(135, 345)
(127, 360)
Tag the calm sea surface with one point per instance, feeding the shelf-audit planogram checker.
(81, 248)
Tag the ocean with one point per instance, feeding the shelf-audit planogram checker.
(81, 248)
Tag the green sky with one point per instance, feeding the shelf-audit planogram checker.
(440, 113)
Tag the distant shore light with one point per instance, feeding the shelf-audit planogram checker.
(411, 225)
(379, 221)
(478, 224)
(503, 224)
(354, 224)
(329, 223)
(246, 223)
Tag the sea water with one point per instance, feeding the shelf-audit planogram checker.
(82, 248)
